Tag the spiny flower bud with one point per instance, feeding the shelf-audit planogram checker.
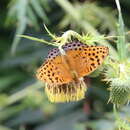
(67, 92)
(118, 75)
(119, 96)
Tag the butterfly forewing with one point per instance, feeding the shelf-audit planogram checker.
(92, 58)
(54, 71)
(58, 69)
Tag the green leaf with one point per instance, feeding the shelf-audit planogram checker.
(39, 10)
(19, 30)
(121, 43)
(11, 15)
(32, 17)
(45, 4)
(36, 39)
(22, 22)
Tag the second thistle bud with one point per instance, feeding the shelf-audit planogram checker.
(118, 75)
(119, 95)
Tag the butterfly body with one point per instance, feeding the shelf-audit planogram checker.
(68, 69)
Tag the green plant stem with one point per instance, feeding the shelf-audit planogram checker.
(121, 43)
(36, 39)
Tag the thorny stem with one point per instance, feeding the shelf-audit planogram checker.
(65, 37)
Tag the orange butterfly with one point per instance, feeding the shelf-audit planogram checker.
(64, 74)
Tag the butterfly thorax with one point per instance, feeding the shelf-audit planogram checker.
(70, 66)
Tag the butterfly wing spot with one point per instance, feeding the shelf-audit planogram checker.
(98, 61)
(93, 65)
(96, 56)
(80, 48)
(56, 78)
(103, 56)
(53, 74)
(73, 45)
(89, 54)
(83, 57)
(53, 53)
(91, 68)
(93, 54)
(92, 59)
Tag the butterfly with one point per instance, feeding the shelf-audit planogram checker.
(68, 69)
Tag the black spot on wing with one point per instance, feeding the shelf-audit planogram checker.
(53, 53)
(75, 45)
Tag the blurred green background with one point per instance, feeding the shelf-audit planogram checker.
(23, 103)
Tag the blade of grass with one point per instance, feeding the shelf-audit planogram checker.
(39, 10)
(121, 42)
(19, 30)
(36, 39)
(21, 7)
(51, 35)
(32, 17)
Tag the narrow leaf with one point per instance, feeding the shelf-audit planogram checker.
(36, 39)
(39, 10)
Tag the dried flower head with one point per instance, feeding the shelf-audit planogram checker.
(67, 92)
